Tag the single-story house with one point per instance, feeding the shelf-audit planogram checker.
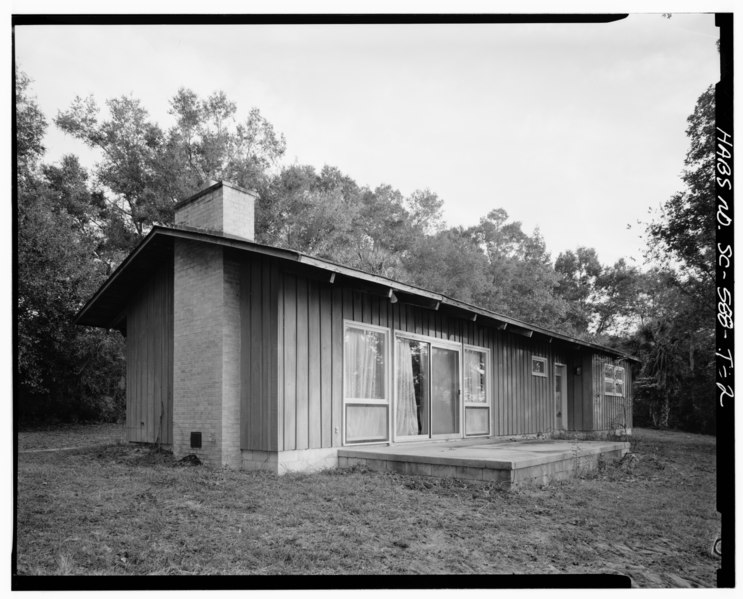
(260, 357)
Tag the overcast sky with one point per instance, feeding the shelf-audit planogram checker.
(575, 129)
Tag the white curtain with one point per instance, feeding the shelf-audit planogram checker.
(365, 379)
(407, 413)
(364, 364)
(474, 376)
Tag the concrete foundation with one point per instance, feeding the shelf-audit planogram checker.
(508, 463)
(282, 462)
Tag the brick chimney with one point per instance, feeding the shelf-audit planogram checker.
(206, 326)
(220, 208)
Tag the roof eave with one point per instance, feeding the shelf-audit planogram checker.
(82, 312)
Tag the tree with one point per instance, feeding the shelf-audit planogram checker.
(328, 215)
(30, 129)
(677, 341)
(579, 272)
(424, 208)
(685, 232)
(449, 262)
(521, 279)
(55, 275)
(63, 370)
(208, 143)
(675, 383)
(144, 170)
(309, 212)
(618, 303)
(386, 236)
(130, 144)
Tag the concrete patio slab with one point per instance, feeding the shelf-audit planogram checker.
(507, 462)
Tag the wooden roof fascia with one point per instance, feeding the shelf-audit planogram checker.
(115, 275)
(365, 276)
(231, 242)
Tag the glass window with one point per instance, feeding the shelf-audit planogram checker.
(619, 380)
(365, 364)
(609, 378)
(477, 421)
(613, 379)
(538, 366)
(365, 384)
(366, 423)
(474, 376)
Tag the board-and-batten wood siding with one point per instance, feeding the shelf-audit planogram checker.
(311, 314)
(259, 372)
(149, 361)
(611, 412)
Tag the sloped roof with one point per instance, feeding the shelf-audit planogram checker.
(106, 308)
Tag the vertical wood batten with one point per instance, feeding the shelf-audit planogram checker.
(315, 366)
(326, 375)
(257, 321)
(261, 386)
(280, 350)
(302, 364)
(158, 350)
(131, 361)
(267, 400)
(518, 381)
(151, 402)
(507, 394)
(366, 309)
(290, 362)
(336, 365)
(149, 373)
(271, 304)
(246, 367)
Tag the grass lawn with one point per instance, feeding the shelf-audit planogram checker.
(122, 509)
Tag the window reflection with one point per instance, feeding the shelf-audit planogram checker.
(474, 376)
(364, 364)
(412, 388)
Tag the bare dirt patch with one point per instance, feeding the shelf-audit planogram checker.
(125, 509)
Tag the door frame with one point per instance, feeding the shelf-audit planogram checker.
(488, 397)
(432, 342)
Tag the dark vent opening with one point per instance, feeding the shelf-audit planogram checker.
(196, 440)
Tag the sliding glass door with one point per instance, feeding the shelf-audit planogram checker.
(427, 389)
(444, 391)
